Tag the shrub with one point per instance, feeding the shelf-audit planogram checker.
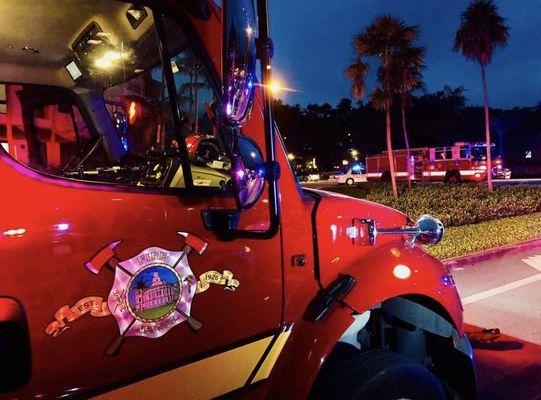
(462, 240)
(454, 205)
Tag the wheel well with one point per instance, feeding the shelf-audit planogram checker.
(452, 172)
(421, 329)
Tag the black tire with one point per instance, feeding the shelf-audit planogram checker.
(349, 181)
(381, 375)
(386, 177)
(453, 177)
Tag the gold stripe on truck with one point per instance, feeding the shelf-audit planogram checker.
(207, 378)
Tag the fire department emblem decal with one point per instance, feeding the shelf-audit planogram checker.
(152, 291)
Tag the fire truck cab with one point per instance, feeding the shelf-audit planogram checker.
(463, 161)
(154, 242)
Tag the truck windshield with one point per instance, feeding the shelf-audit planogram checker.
(90, 100)
(479, 152)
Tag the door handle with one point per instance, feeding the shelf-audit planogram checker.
(15, 355)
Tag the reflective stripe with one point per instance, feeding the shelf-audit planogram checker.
(463, 172)
(471, 172)
(271, 358)
(378, 174)
(434, 173)
(208, 378)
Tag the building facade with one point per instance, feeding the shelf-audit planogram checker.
(158, 294)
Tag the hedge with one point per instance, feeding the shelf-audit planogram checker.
(454, 205)
(462, 240)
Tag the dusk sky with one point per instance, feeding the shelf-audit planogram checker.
(313, 45)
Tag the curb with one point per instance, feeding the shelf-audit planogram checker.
(493, 252)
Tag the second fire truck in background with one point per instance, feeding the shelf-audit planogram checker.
(463, 161)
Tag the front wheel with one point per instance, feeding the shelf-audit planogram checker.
(382, 375)
(349, 182)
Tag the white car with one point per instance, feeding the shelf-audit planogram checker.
(349, 178)
(313, 177)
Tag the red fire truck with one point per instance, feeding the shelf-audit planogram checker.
(463, 161)
(155, 244)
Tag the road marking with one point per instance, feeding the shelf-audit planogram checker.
(534, 262)
(500, 289)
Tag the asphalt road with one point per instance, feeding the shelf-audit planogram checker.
(505, 292)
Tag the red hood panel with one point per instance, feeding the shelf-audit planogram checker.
(335, 214)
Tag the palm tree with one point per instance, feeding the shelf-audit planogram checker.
(407, 77)
(383, 40)
(481, 30)
(188, 92)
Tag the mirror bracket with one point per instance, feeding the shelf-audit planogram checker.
(272, 170)
(223, 222)
(264, 48)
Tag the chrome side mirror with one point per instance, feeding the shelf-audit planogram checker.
(248, 172)
(427, 231)
(431, 230)
(239, 59)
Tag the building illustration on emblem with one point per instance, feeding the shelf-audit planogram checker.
(159, 293)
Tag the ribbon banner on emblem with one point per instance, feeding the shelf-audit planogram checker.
(94, 305)
(216, 278)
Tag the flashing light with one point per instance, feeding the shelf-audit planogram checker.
(275, 86)
(334, 231)
(62, 227)
(103, 63)
(132, 112)
(352, 232)
(291, 156)
(483, 167)
(401, 271)
(345, 162)
(112, 55)
(356, 168)
(249, 30)
(15, 232)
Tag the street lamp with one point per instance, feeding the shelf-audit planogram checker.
(291, 156)
(276, 86)
(354, 154)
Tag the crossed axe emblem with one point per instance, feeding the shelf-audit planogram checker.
(139, 307)
(125, 272)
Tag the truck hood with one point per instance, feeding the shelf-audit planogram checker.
(339, 231)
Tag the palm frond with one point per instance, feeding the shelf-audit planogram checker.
(481, 30)
(356, 72)
(380, 100)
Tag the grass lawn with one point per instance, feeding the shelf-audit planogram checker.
(157, 312)
(466, 239)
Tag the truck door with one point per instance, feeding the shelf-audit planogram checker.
(125, 288)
